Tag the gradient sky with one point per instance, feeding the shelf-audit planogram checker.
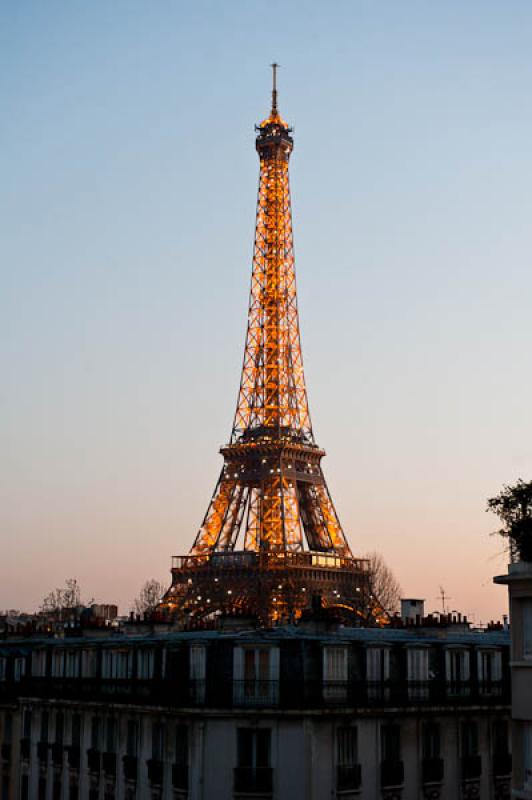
(127, 201)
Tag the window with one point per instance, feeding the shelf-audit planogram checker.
(95, 733)
(145, 664)
(157, 741)
(527, 755)
(526, 622)
(72, 664)
(256, 675)
(132, 740)
(88, 663)
(431, 740)
(197, 657)
(457, 672)
(75, 738)
(58, 664)
(19, 669)
(24, 787)
(253, 772)
(180, 768)
(44, 726)
(501, 738)
(391, 743)
(41, 791)
(469, 738)
(378, 671)
(335, 673)
(110, 738)
(3, 669)
(38, 663)
(59, 727)
(348, 771)
(117, 664)
(417, 662)
(489, 665)
(26, 723)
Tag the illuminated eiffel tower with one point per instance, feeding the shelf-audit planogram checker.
(271, 539)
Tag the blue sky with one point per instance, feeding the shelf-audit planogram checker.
(127, 206)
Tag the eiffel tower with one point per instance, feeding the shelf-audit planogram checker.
(271, 540)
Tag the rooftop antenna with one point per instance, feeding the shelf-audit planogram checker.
(443, 597)
(274, 67)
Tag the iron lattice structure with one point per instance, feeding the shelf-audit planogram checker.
(271, 537)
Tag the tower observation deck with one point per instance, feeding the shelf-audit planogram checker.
(271, 539)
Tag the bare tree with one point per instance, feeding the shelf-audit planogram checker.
(68, 596)
(384, 586)
(149, 596)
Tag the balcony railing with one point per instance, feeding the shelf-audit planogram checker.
(180, 692)
(392, 774)
(348, 778)
(253, 779)
(432, 770)
(255, 693)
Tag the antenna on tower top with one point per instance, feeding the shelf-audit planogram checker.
(274, 67)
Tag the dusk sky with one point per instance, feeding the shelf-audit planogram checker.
(128, 181)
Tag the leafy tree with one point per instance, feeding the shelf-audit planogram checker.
(149, 597)
(513, 506)
(384, 586)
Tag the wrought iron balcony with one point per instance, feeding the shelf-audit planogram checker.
(255, 693)
(392, 774)
(348, 778)
(253, 779)
(471, 767)
(432, 769)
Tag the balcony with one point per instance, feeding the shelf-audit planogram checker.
(109, 765)
(155, 771)
(249, 780)
(432, 770)
(348, 779)
(255, 693)
(130, 766)
(392, 774)
(471, 767)
(502, 765)
(94, 760)
(180, 776)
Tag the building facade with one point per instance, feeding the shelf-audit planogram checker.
(519, 582)
(292, 712)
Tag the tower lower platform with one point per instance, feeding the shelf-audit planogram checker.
(272, 587)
